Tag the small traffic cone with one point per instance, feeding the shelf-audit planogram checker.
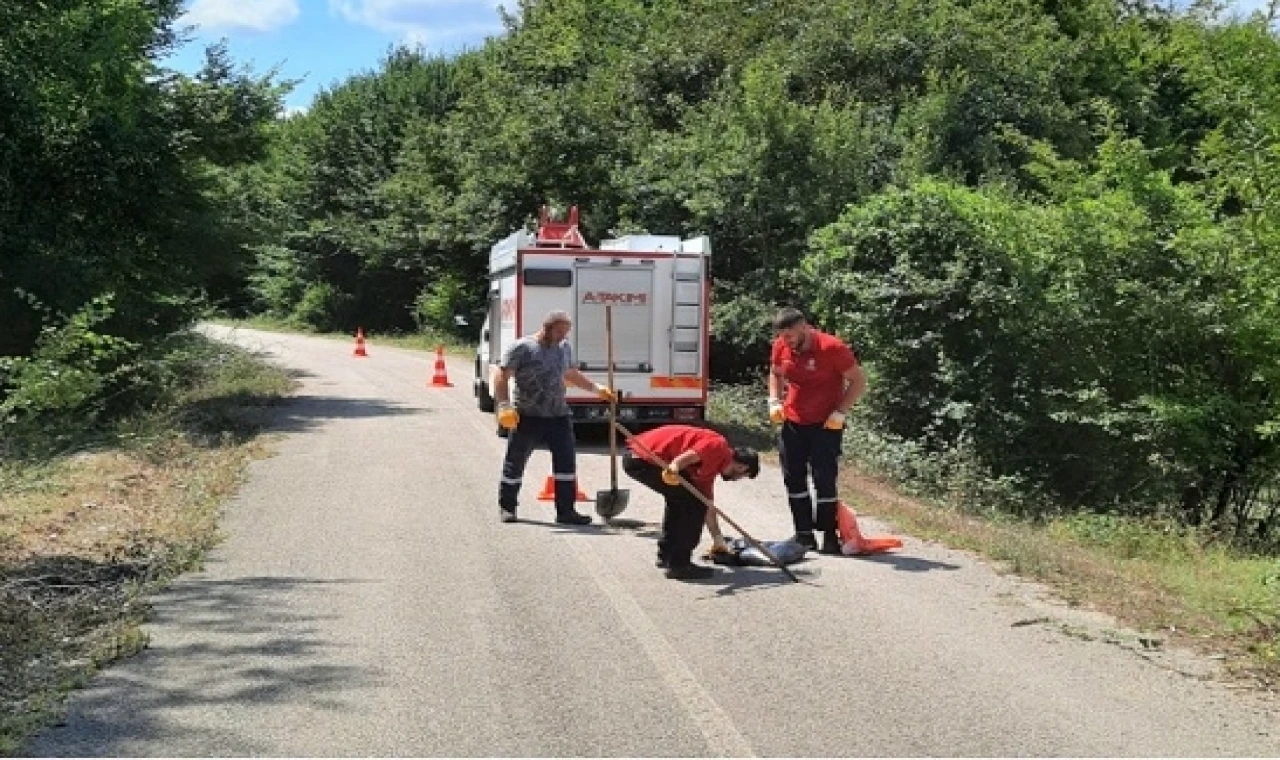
(549, 490)
(360, 352)
(441, 378)
(851, 539)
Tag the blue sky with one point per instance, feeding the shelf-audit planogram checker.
(322, 42)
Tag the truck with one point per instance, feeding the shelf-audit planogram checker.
(659, 287)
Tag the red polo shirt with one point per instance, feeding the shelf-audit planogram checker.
(815, 378)
(670, 441)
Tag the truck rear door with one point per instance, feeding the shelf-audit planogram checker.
(628, 287)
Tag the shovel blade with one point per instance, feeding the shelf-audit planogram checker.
(612, 502)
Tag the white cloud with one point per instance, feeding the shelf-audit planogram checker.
(429, 23)
(248, 15)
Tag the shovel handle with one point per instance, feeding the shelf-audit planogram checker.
(693, 490)
(613, 404)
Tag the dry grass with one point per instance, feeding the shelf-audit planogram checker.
(84, 537)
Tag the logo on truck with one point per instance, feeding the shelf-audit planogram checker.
(602, 297)
(508, 310)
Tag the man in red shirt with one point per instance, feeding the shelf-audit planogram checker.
(699, 455)
(821, 379)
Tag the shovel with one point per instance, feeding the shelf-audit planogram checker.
(609, 504)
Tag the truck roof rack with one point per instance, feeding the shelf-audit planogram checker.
(559, 233)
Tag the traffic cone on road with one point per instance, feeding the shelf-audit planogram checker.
(441, 378)
(360, 352)
(851, 539)
(549, 490)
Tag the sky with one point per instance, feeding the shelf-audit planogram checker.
(322, 42)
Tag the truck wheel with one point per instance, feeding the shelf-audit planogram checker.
(483, 399)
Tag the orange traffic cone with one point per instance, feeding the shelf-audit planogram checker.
(441, 378)
(851, 539)
(360, 344)
(549, 490)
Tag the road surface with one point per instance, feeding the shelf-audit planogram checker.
(367, 601)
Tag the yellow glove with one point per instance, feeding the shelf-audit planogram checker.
(717, 547)
(608, 395)
(775, 412)
(835, 421)
(671, 477)
(508, 417)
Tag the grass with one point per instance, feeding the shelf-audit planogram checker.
(86, 535)
(1149, 575)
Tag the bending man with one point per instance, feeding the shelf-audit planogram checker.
(699, 455)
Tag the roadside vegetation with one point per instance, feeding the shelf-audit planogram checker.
(94, 519)
(1051, 230)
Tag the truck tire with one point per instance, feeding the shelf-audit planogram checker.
(483, 399)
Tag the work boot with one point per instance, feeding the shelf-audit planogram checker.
(573, 518)
(507, 515)
(830, 542)
(805, 538)
(690, 572)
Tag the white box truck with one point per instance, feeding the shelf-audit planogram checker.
(659, 287)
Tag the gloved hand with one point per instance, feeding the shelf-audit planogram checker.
(508, 417)
(606, 394)
(775, 411)
(835, 421)
(671, 477)
(718, 546)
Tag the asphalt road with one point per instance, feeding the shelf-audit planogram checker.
(366, 601)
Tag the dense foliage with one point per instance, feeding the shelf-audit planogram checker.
(1050, 226)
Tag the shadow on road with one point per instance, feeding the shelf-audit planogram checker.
(235, 643)
(629, 527)
(301, 413)
(735, 580)
(908, 564)
(729, 579)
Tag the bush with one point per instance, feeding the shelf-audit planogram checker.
(1090, 347)
(322, 307)
(436, 306)
(741, 336)
(62, 386)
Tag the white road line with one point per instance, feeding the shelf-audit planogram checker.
(723, 737)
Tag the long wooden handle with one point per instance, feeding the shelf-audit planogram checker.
(693, 490)
(613, 404)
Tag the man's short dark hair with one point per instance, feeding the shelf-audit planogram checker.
(788, 318)
(748, 456)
